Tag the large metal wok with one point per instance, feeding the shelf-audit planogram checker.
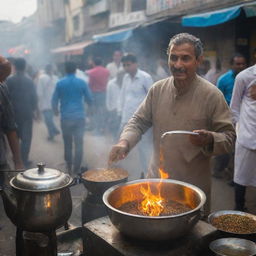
(154, 228)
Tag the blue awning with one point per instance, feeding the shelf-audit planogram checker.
(114, 36)
(211, 18)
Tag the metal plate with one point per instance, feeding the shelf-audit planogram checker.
(233, 247)
(225, 212)
(179, 132)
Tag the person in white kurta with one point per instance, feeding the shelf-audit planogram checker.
(115, 66)
(244, 112)
(45, 89)
(112, 102)
(135, 86)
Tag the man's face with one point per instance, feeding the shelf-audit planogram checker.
(239, 64)
(117, 56)
(130, 67)
(183, 62)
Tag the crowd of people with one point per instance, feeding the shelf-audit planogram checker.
(136, 108)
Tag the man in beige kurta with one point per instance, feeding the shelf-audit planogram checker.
(198, 106)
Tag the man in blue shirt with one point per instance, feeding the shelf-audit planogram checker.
(71, 92)
(226, 83)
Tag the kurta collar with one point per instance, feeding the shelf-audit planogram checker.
(188, 89)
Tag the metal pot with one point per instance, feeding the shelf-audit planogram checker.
(99, 187)
(39, 199)
(160, 227)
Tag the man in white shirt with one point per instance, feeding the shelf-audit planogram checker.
(45, 89)
(112, 101)
(243, 105)
(135, 86)
(115, 66)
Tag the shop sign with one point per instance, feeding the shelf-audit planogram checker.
(155, 6)
(119, 19)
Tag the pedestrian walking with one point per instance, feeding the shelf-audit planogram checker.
(45, 88)
(112, 101)
(7, 125)
(24, 100)
(70, 93)
(135, 86)
(98, 79)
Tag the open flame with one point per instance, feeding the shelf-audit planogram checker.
(153, 203)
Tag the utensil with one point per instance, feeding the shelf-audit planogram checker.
(160, 227)
(179, 132)
(233, 247)
(39, 199)
(225, 212)
(99, 187)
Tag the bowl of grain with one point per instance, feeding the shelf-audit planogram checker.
(98, 180)
(233, 222)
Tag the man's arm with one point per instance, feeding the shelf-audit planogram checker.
(87, 93)
(55, 101)
(15, 148)
(9, 127)
(237, 96)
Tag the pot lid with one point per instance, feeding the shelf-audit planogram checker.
(41, 179)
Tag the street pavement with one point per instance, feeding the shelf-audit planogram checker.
(96, 150)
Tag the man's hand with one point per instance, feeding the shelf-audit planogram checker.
(118, 152)
(252, 92)
(203, 138)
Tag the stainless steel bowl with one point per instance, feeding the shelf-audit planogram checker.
(233, 247)
(154, 228)
(99, 187)
(225, 212)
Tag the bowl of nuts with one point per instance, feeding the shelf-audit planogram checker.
(233, 222)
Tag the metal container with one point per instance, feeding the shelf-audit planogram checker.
(99, 187)
(233, 247)
(225, 212)
(154, 228)
(39, 199)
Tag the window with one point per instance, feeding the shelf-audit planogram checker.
(138, 5)
(118, 6)
(76, 22)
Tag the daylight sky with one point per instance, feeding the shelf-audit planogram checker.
(15, 10)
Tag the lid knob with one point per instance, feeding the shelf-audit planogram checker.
(40, 168)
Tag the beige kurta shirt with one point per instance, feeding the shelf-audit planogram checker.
(202, 106)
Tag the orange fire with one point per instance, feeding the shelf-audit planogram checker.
(153, 203)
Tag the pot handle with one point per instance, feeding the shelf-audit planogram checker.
(75, 181)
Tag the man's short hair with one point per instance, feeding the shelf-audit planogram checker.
(20, 64)
(70, 67)
(129, 58)
(183, 38)
(97, 61)
(236, 55)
